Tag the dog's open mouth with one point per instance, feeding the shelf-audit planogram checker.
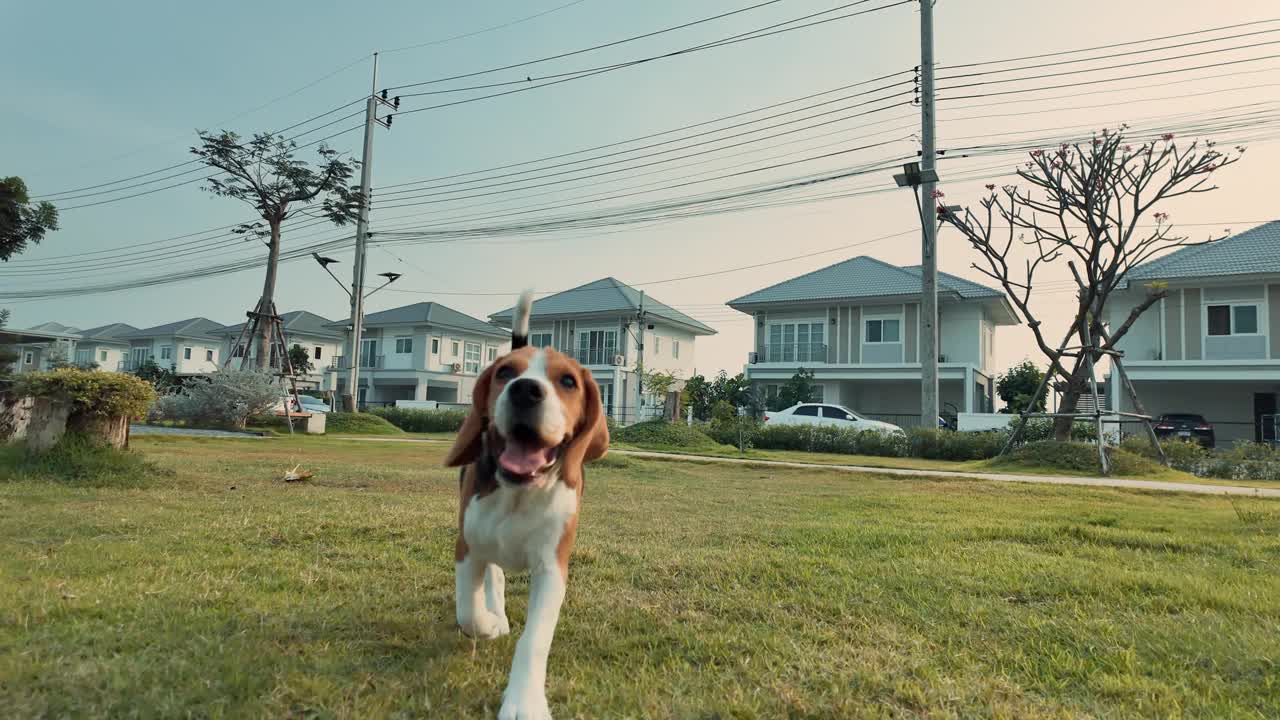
(525, 454)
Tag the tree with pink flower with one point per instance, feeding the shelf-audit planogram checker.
(1091, 206)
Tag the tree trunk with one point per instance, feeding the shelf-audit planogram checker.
(48, 423)
(109, 430)
(1077, 386)
(263, 341)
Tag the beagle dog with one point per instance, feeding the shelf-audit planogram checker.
(535, 419)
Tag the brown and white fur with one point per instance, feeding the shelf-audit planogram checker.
(535, 419)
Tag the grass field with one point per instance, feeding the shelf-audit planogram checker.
(697, 591)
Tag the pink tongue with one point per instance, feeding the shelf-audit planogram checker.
(520, 459)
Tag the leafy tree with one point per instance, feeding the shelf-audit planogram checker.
(710, 397)
(697, 395)
(8, 356)
(1094, 205)
(1017, 385)
(264, 173)
(799, 389)
(22, 222)
(164, 380)
(229, 398)
(57, 358)
(300, 360)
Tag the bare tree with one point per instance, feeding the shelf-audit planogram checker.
(263, 173)
(1087, 203)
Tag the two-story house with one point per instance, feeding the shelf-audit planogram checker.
(424, 351)
(104, 346)
(322, 340)
(37, 347)
(601, 324)
(190, 347)
(1212, 346)
(856, 326)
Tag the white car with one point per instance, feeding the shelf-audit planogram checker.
(827, 414)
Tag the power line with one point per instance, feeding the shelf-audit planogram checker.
(1112, 45)
(474, 33)
(753, 35)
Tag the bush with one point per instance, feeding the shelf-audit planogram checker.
(1181, 454)
(661, 433)
(423, 421)
(1244, 461)
(359, 424)
(78, 460)
(1077, 457)
(935, 444)
(827, 439)
(91, 392)
(1039, 429)
(226, 398)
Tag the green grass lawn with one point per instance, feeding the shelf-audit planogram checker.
(697, 591)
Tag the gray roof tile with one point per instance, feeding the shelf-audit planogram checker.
(429, 313)
(1253, 252)
(297, 322)
(604, 296)
(112, 331)
(196, 327)
(861, 277)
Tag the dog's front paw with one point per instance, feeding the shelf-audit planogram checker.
(484, 624)
(524, 704)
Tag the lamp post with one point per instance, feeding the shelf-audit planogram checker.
(353, 342)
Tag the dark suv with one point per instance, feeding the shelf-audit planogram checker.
(1184, 426)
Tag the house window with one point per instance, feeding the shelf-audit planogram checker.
(491, 353)
(238, 351)
(316, 356)
(166, 352)
(28, 358)
(404, 345)
(186, 353)
(657, 345)
(455, 348)
(796, 342)
(84, 357)
(597, 347)
(540, 340)
(435, 346)
(675, 349)
(471, 362)
(884, 331)
(208, 355)
(368, 353)
(1233, 319)
(102, 356)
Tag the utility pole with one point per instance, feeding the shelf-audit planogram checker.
(640, 357)
(351, 397)
(929, 239)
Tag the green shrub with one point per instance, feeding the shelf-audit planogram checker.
(1075, 456)
(1181, 454)
(79, 461)
(225, 398)
(90, 392)
(828, 439)
(422, 421)
(359, 424)
(1243, 461)
(936, 444)
(660, 433)
(1038, 429)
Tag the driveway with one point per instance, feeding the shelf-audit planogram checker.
(189, 432)
(1160, 485)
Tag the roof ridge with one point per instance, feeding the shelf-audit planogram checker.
(800, 277)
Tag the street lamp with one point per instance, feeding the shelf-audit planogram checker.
(353, 342)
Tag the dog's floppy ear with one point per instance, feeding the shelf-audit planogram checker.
(590, 438)
(466, 448)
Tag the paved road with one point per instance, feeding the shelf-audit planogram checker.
(190, 432)
(1202, 489)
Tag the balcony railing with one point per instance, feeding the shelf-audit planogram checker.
(595, 356)
(794, 352)
(367, 362)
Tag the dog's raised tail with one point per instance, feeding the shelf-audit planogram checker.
(520, 320)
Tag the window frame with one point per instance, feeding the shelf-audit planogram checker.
(29, 357)
(319, 349)
(490, 353)
(881, 320)
(166, 352)
(1232, 306)
(208, 355)
(186, 352)
(788, 341)
(102, 356)
(467, 366)
(675, 349)
(404, 344)
(435, 346)
(536, 339)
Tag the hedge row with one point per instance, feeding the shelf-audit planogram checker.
(422, 421)
(1243, 461)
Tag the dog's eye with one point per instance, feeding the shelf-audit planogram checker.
(569, 381)
(506, 372)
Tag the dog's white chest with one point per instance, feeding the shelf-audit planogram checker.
(518, 527)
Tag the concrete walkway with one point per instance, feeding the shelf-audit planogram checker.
(190, 432)
(1159, 485)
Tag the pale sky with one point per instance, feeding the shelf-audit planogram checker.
(123, 87)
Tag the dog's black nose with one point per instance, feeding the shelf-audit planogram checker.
(525, 393)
